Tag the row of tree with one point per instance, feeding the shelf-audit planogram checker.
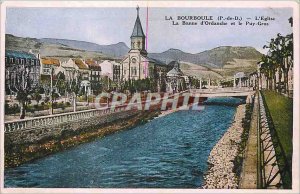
(278, 61)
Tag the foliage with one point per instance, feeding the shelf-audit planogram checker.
(96, 87)
(279, 59)
(11, 109)
(36, 96)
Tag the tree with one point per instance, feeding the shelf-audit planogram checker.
(281, 57)
(266, 69)
(73, 87)
(22, 84)
(60, 83)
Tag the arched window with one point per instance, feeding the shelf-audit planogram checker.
(139, 44)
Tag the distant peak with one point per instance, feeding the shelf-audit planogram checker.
(173, 49)
(120, 43)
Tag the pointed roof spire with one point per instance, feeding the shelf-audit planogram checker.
(137, 29)
(137, 10)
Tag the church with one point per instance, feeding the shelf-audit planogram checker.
(137, 65)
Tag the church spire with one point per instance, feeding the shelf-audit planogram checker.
(137, 29)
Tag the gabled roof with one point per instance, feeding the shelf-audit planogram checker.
(80, 64)
(50, 61)
(176, 69)
(90, 62)
(175, 72)
(19, 54)
(137, 29)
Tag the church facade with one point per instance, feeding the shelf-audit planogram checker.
(137, 65)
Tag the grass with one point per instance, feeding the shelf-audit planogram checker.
(281, 111)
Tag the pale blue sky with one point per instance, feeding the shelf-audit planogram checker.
(113, 25)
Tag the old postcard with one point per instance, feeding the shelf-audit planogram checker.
(149, 97)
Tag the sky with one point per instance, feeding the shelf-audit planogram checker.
(112, 25)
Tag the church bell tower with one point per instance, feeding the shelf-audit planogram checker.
(138, 37)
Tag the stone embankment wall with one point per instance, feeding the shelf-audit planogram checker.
(221, 160)
(26, 145)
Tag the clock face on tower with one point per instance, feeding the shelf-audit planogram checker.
(133, 60)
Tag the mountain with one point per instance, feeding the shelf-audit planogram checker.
(114, 50)
(220, 62)
(223, 61)
(49, 49)
(215, 58)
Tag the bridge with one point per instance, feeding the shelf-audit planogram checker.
(223, 92)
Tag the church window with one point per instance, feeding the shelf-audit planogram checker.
(139, 44)
(133, 60)
(133, 71)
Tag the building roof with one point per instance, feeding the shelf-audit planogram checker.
(93, 64)
(19, 54)
(50, 61)
(176, 70)
(80, 64)
(90, 62)
(137, 29)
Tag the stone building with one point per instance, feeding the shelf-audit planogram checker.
(83, 69)
(137, 65)
(69, 68)
(95, 70)
(47, 64)
(95, 75)
(16, 64)
(176, 81)
(112, 70)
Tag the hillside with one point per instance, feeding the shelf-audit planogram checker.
(214, 58)
(114, 50)
(48, 49)
(219, 62)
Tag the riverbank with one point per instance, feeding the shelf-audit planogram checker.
(220, 174)
(25, 146)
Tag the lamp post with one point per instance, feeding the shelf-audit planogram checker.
(51, 90)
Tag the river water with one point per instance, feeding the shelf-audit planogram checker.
(166, 152)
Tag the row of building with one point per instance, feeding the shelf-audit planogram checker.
(135, 65)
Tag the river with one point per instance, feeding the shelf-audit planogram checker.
(166, 152)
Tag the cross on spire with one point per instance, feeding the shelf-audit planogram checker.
(137, 9)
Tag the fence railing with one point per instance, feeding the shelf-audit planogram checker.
(30, 123)
(281, 159)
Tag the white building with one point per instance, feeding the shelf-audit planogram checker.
(69, 68)
(111, 69)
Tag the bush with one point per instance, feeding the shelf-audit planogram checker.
(12, 109)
